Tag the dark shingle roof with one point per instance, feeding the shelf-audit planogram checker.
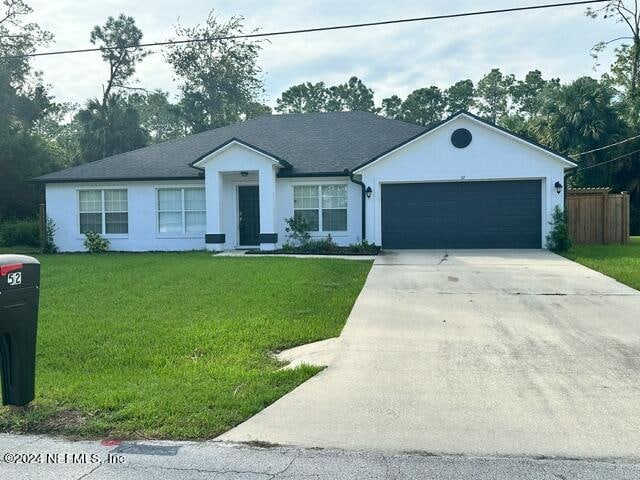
(311, 143)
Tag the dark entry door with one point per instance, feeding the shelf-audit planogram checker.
(502, 214)
(249, 212)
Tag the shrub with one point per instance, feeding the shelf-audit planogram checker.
(558, 239)
(322, 245)
(288, 247)
(363, 247)
(20, 232)
(298, 230)
(49, 245)
(94, 243)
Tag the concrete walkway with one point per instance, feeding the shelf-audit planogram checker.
(475, 352)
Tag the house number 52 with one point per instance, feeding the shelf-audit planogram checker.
(14, 278)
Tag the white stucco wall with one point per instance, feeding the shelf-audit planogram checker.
(62, 207)
(492, 155)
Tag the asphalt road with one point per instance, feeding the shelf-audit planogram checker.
(49, 458)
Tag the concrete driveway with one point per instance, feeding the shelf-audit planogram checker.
(475, 352)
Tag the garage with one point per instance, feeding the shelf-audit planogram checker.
(478, 214)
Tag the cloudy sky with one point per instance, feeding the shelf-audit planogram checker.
(390, 59)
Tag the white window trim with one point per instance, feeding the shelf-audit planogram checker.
(184, 233)
(103, 212)
(320, 232)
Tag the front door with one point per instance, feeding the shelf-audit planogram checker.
(249, 215)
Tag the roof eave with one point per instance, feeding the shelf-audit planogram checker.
(114, 179)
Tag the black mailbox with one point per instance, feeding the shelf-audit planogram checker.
(19, 296)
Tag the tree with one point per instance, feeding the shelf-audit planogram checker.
(627, 13)
(424, 106)
(119, 38)
(24, 102)
(110, 129)
(303, 98)
(219, 77)
(23, 96)
(527, 94)
(353, 96)
(24, 156)
(460, 96)
(62, 135)
(492, 94)
(159, 117)
(620, 78)
(392, 107)
(256, 109)
(579, 117)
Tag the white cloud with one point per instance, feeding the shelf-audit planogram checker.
(390, 59)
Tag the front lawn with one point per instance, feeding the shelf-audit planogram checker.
(175, 345)
(621, 262)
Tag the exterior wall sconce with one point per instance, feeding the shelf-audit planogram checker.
(244, 174)
(368, 191)
(558, 186)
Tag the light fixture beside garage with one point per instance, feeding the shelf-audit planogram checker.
(558, 186)
(461, 138)
(368, 191)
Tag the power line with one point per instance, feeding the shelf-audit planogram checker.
(606, 146)
(608, 161)
(310, 30)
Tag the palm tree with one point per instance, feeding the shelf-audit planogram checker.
(579, 117)
(109, 129)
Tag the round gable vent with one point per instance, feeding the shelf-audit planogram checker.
(461, 138)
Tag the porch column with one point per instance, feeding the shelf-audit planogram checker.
(267, 184)
(215, 237)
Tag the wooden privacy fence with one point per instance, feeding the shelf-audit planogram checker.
(595, 215)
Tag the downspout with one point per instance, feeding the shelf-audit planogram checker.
(364, 202)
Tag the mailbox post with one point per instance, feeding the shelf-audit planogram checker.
(19, 297)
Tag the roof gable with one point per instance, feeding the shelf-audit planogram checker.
(206, 158)
(566, 161)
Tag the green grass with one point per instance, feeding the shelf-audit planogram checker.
(175, 345)
(621, 262)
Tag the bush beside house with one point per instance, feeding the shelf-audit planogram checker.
(24, 232)
(301, 242)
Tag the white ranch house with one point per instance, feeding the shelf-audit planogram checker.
(357, 176)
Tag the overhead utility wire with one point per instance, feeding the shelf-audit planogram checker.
(310, 30)
(606, 146)
(579, 169)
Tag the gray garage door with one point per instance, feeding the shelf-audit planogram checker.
(503, 214)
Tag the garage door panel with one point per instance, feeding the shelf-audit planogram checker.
(504, 214)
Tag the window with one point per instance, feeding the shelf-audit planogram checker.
(323, 207)
(103, 211)
(181, 211)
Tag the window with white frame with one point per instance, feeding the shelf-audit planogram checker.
(322, 207)
(103, 211)
(181, 211)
